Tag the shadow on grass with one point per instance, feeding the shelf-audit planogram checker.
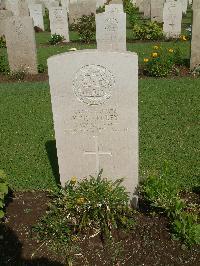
(11, 251)
(53, 159)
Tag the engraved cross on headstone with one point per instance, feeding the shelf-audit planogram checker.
(97, 152)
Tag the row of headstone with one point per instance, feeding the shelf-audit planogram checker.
(110, 26)
(154, 8)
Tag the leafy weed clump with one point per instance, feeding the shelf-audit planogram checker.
(3, 192)
(94, 205)
(163, 194)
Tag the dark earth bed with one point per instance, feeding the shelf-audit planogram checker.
(149, 244)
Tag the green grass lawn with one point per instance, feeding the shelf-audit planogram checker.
(169, 131)
(169, 122)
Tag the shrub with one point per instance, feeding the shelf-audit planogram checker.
(162, 61)
(95, 205)
(4, 67)
(55, 38)
(3, 192)
(2, 42)
(148, 31)
(86, 27)
(131, 10)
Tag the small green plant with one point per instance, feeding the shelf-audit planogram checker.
(56, 38)
(2, 42)
(164, 195)
(100, 9)
(86, 28)
(18, 75)
(3, 192)
(196, 71)
(94, 205)
(41, 68)
(148, 31)
(4, 67)
(162, 61)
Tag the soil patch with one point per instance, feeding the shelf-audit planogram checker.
(27, 78)
(149, 244)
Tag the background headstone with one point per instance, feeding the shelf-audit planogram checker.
(184, 4)
(37, 15)
(195, 43)
(4, 14)
(59, 22)
(172, 18)
(100, 3)
(111, 31)
(65, 4)
(18, 7)
(78, 8)
(147, 8)
(21, 46)
(95, 110)
(157, 10)
(114, 8)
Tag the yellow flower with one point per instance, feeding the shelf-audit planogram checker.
(80, 201)
(146, 60)
(154, 55)
(171, 50)
(156, 47)
(183, 38)
(73, 180)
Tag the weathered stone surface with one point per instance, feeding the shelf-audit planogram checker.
(18, 7)
(78, 8)
(50, 3)
(100, 3)
(114, 8)
(172, 18)
(95, 111)
(21, 46)
(37, 15)
(195, 43)
(4, 14)
(59, 22)
(147, 8)
(184, 5)
(65, 4)
(111, 31)
(157, 10)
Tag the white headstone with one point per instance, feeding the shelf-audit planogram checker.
(37, 15)
(157, 10)
(114, 8)
(59, 22)
(172, 18)
(65, 4)
(95, 112)
(21, 46)
(4, 14)
(2, 4)
(18, 7)
(111, 31)
(100, 3)
(184, 4)
(195, 43)
(147, 9)
(50, 3)
(78, 8)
